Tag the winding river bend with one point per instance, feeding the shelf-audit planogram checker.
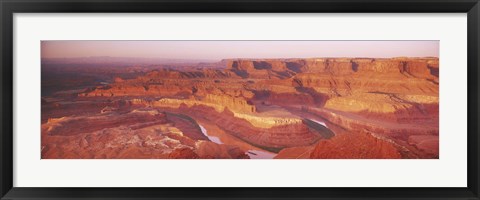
(220, 137)
(320, 127)
(211, 138)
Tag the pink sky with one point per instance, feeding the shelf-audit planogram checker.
(217, 50)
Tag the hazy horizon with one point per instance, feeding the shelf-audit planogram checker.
(218, 50)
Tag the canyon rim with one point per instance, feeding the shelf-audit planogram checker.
(239, 100)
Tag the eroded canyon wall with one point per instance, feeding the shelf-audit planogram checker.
(298, 108)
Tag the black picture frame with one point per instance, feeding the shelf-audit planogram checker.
(10, 7)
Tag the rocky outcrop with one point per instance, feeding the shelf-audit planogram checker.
(81, 124)
(210, 150)
(135, 135)
(359, 145)
(263, 68)
(219, 103)
(355, 146)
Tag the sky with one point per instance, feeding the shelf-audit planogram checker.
(217, 50)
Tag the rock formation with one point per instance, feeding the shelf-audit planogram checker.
(298, 108)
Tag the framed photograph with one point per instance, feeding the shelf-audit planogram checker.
(239, 99)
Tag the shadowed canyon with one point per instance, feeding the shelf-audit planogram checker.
(305, 108)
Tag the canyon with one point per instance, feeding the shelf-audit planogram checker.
(297, 108)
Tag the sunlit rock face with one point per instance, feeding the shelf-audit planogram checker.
(356, 146)
(298, 108)
(136, 134)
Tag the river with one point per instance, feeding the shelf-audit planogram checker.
(319, 122)
(211, 138)
(253, 154)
